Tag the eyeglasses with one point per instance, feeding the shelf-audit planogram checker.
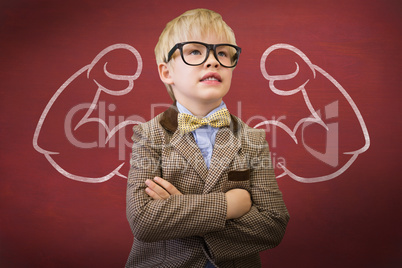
(196, 53)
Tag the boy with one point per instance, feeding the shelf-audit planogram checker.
(201, 189)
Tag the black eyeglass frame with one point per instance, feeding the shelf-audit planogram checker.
(209, 48)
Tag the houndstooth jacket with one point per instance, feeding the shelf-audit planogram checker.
(188, 230)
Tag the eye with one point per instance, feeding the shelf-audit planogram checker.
(224, 51)
(222, 54)
(195, 52)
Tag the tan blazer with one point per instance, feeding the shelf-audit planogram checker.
(186, 230)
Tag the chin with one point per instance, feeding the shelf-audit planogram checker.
(214, 94)
(212, 97)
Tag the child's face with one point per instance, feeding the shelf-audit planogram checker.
(203, 84)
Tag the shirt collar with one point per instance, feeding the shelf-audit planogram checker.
(183, 109)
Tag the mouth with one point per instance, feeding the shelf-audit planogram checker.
(211, 77)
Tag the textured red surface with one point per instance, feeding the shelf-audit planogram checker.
(49, 220)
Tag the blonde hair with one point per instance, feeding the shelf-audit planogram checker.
(190, 24)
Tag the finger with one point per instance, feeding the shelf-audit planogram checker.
(170, 188)
(152, 194)
(157, 189)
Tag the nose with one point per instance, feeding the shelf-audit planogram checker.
(211, 60)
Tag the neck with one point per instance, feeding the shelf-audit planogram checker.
(201, 109)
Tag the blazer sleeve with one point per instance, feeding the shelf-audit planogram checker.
(176, 217)
(263, 227)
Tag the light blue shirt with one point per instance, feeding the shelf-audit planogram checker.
(205, 135)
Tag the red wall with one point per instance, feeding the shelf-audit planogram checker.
(63, 205)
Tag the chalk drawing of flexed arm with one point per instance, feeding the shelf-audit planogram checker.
(315, 116)
(80, 85)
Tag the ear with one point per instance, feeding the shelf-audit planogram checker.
(165, 73)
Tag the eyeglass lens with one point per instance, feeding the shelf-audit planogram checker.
(195, 54)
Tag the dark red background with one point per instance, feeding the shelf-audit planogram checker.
(48, 220)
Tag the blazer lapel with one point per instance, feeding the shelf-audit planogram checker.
(226, 148)
(187, 147)
(184, 143)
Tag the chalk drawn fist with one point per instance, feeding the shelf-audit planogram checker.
(321, 100)
(72, 131)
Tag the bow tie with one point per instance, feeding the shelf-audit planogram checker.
(188, 123)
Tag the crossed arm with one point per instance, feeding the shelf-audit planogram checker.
(238, 200)
(157, 210)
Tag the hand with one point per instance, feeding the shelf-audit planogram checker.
(238, 203)
(160, 189)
